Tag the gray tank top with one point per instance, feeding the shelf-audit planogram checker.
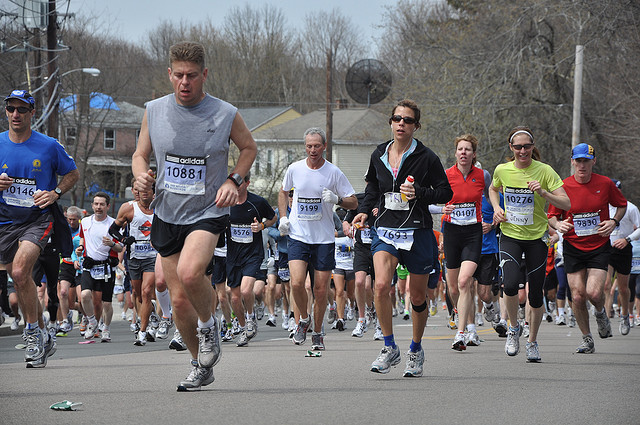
(191, 147)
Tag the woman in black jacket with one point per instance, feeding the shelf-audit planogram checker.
(404, 177)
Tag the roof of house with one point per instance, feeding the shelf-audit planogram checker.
(118, 114)
(256, 117)
(355, 124)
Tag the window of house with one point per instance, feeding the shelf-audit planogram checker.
(256, 165)
(70, 134)
(269, 162)
(109, 138)
(291, 156)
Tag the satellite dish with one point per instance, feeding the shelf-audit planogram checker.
(368, 81)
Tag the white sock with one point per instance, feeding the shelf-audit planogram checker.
(207, 324)
(560, 311)
(471, 327)
(165, 302)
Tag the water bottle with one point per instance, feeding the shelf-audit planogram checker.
(409, 180)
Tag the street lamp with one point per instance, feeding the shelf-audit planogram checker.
(91, 71)
(53, 117)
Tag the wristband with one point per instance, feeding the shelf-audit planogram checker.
(628, 239)
(616, 221)
(262, 225)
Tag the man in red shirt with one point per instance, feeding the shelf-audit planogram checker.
(586, 228)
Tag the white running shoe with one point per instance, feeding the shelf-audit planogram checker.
(388, 357)
(360, 329)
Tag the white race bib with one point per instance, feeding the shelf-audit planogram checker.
(396, 201)
(241, 233)
(464, 214)
(399, 238)
(20, 193)
(365, 235)
(185, 174)
(309, 209)
(519, 205)
(635, 265)
(144, 248)
(586, 224)
(100, 272)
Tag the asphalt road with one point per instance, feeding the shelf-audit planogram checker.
(271, 381)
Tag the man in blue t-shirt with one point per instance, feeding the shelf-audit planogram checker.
(30, 164)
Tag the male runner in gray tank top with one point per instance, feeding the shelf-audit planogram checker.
(189, 132)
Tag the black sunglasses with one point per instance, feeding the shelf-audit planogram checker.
(407, 120)
(520, 147)
(21, 109)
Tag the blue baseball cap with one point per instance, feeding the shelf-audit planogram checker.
(583, 150)
(22, 95)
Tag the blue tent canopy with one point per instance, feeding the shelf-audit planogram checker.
(96, 101)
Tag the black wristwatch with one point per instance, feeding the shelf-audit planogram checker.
(628, 239)
(616, 221)
(236, 178)
(58, 192)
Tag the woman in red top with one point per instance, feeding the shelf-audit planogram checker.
(463, 236)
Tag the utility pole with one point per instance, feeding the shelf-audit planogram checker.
(329, 106)
(577, 96)
(52, 55)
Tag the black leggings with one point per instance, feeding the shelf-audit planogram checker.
(535, 257)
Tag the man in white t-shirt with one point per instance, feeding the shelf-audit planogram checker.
(318, 186)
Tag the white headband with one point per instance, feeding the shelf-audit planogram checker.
(520, 132)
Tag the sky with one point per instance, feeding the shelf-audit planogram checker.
(133, 19)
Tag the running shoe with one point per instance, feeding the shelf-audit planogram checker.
(512, 346)
(459, 342)
(406, 315)
(300, 334)
(637, 321)
(236, 326)
(377, 335)
(370, 315)
(228, 335)
(285, 321)
(349, 312)
(35, 344)
(525, 330)
(163, 328)
(209, 345)
(252, 328)
(388, 357)
(521, 313)
(198, 377)
(271, 321)
(394, 312)
(587, 346)
(452, 321)
(414, 365)
(561, 320)
(552, 307)
(91, 330)
(49, 348)
(317, 342)
(340, 325)
(83, 324)
(15, 325)
(604, 325)
(123, 315)
(332, 315)
(360, 329)
(105, 335)
(572, 320)
(260, 311)
(489, 313)
(177, 343)
(291, 327)
(243, 339)
(151, 335)
(433, 310)
(66, 326)
(624, 326)
(533, 352)
(472, 339)
(141, 339)
(501, 328)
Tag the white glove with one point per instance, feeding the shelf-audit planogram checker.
(329, 196)
(284, 226)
